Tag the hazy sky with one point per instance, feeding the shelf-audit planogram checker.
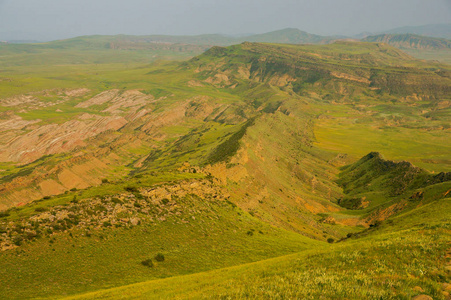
(52, 19)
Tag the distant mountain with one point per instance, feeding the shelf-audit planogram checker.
(433, 30)
(21, 41)
(411, 41)
(203, 39)
(363, 35)
(288, 36)
(285, 36)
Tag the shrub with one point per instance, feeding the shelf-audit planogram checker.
(159, 257)
(30, 235)
(165, 201)
(250, 233)
(330, 240)
(46, 197)
(4, 214)
(231, 203)
(40, 209)
(147, 263)
(131, 189)
(116, 200)
(375, 224)
(104, 180)
(100, 207)
(17, 240)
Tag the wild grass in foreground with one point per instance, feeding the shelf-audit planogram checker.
(393, 265)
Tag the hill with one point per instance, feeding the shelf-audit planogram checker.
(411, 41)
(287, 36)
(360, 269)
(432, 30)
(114, 174)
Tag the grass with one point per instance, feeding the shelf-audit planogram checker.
(207, 235)
(440, 55)
(348, 131)
(406, 254)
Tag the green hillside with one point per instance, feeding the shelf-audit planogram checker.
(117, 170)
(402, 259)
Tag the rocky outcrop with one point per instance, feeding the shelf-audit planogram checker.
(137, 205)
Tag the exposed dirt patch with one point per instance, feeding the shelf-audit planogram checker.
(282, 80)
(194, 83)
(383, 214)
(10, 121)
(120, 102)
(77, 92)
(350, 77)
(218, 79)
(128, 100)
(31, 101)
(77, 172)
(99, 99)
(53, 138)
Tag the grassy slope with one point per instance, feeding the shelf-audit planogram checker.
(207, 234)
(250, 97)
(406, 253)
(443, 56)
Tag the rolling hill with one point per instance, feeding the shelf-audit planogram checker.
(118, 172)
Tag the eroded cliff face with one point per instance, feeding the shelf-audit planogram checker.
(77, 137)
(107, 135)
(56, 138)
(25, 141)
